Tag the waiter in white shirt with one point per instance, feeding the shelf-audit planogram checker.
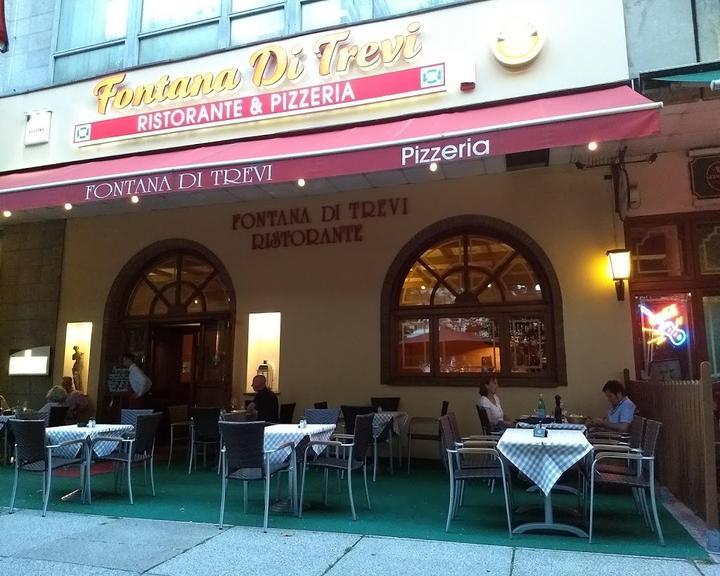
(139, 382)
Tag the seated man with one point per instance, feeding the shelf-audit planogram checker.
(622, 409)
(265, 404)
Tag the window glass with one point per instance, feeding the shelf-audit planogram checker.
(656, 251)
(444, 256)
(216, 296)
(194, 270)
(244, 5)
(141, 300)
(417, 287)
(156, 14)
(179, 44)
(711, 310)
(90, 63)
(163, 273)
(255, 27)
(527, 345)
(487, 254)
(468, 345)
(709, 248)
(519, 281)
(413, 346)
(322, 13)
(665, 334)
(88, 22)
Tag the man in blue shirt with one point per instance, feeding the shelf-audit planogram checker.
(622, 409)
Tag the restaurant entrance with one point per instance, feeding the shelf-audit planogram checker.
(172, 307)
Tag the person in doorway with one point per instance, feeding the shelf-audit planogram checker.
(490, 401)
(622, 409)
(140, 384)
(265, 405)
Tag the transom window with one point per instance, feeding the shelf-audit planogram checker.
(100, 36)
(178, 284)
(468, 303)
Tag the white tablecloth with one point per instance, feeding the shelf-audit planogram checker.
(380, 420)
(281, 433)
(59, 434)
(543, 460)
(555, 426)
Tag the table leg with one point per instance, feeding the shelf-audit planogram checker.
(549, 524)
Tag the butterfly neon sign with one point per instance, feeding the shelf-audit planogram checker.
(664, 325)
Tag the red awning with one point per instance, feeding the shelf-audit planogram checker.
(550, 122)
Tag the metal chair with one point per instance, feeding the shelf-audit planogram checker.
(57, 416)
(244, 458)
(424, 423)
(204, 432)
(493, 470)
(355, 458)
(180, 424)
(129, 416)
(32, 454)
(385, 403)
(642, 481)
(321, 415)
(286, 413)
(139, 448)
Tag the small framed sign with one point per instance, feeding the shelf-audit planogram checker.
(705, 176)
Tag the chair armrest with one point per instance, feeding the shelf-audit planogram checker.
(344, 436)
(423, 420)
(112, 439)
(66, 443)
(628, 456)
(328, 443)
(622, 436)
(613, 448)
(187, 423)
(283, 446)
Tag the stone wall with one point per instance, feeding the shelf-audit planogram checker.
(30, 275)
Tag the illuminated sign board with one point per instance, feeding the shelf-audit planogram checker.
(664, 325)
(212, 98)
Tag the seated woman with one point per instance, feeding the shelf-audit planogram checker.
(76, 401)
(56, 396)
(490, 401)
(3, 403)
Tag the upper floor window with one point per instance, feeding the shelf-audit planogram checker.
(96, 37)
(468, 301)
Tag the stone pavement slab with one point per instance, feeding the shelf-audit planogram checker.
(250, 551)
(562, 563)
(404, 557)
(27, 529)
(27, 567)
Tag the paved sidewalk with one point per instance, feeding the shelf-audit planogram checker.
(86, 545)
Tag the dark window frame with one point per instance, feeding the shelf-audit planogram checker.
(391, 312)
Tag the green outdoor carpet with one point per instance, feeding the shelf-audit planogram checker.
(413, 506)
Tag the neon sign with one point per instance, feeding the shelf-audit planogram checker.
(664, 325)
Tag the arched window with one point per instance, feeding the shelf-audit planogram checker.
(474, 297)
(176, 285)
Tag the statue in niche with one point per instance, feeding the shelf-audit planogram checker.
(77, 368)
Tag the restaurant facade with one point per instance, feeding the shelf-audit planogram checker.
(388, 208)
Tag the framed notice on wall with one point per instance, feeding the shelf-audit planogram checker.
(118, 381)
(705, 177)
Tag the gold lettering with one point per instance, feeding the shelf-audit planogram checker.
(368, 56)
(201, 83)
(124, 98)
(178, 88)
(227, 79)
(295, 65)
(105, 90)
(326, 48)
(161, 88)
(269, 65)
(413, 45)
(391, 50)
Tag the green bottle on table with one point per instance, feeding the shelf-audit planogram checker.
(541, 407)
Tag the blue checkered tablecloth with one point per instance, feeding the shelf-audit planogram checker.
(129, 416)
(555, 426)
(543, 460)
(4, 418)
(279, 434)
(380, 420)
(59, 434)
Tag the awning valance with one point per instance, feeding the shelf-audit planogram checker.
(600, 115)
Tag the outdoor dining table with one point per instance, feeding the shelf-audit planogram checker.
(543, 460)
(58, 434)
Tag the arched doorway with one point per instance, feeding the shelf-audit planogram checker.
(173, 307)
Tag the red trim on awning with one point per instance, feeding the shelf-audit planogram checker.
(551, 122)
(4, 40)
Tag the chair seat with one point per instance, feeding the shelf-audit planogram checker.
(424, 436)
(334, 463)
(480, 473)
(632, 481)
(256, 473)
(614, 469)
(120, 456)
(40, 465)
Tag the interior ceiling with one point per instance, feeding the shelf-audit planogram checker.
(686, 125)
